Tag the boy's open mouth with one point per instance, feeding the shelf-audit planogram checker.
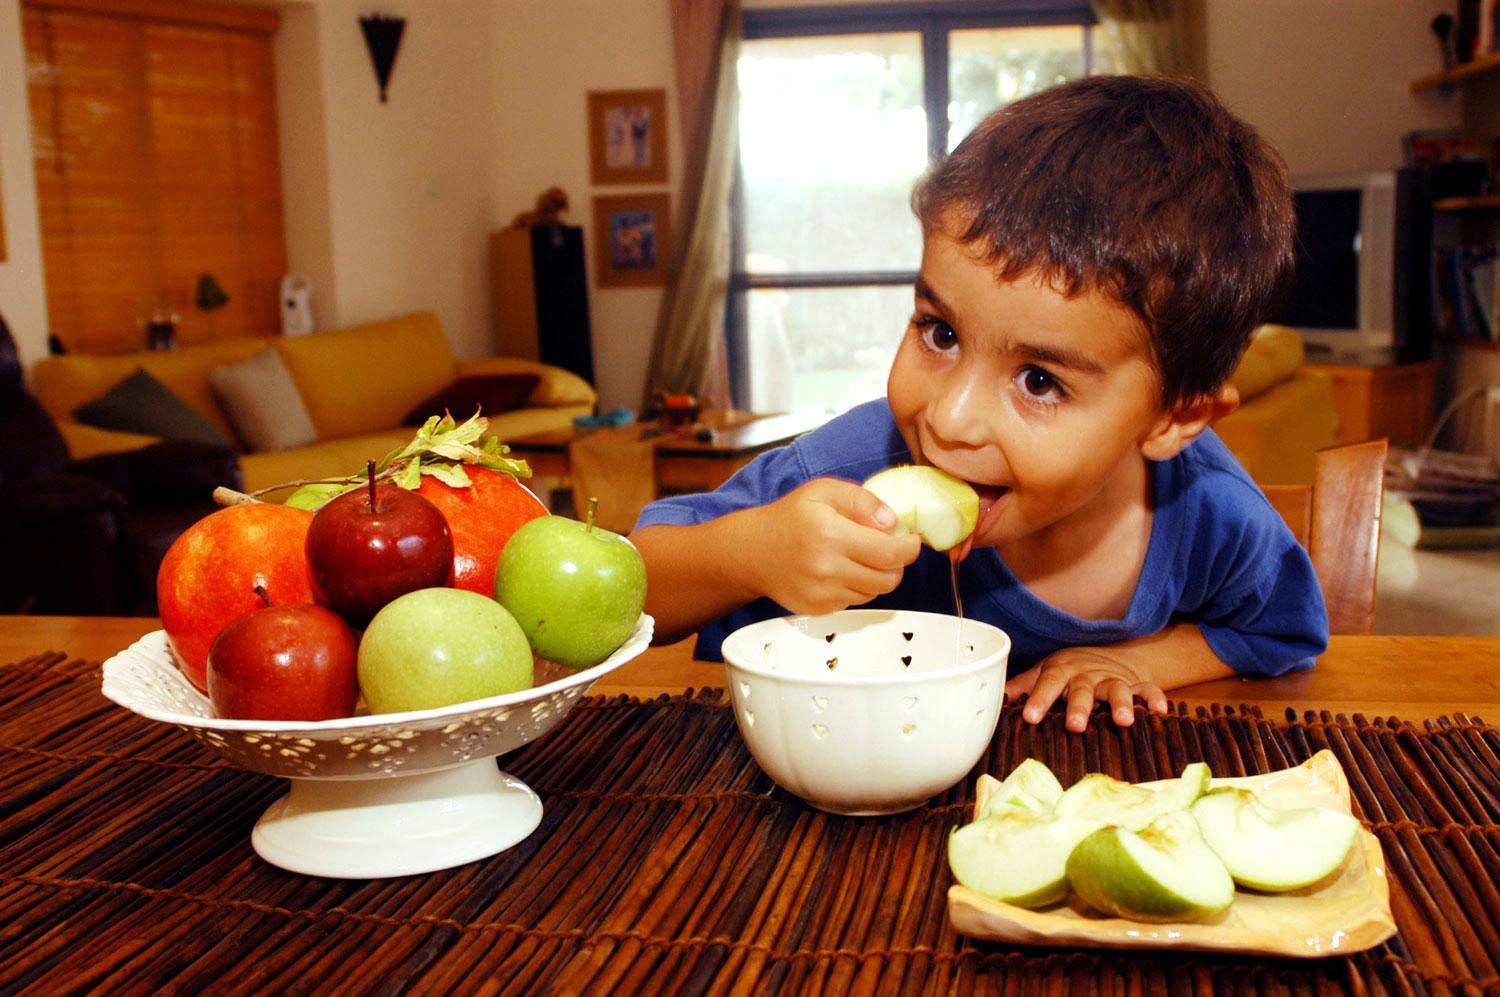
(989, 502)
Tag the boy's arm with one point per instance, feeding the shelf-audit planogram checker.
(1117, 673)
(817, 549)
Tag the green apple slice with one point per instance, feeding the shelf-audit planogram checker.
(1128, 805)
(1017, 857)
(929, 502)
(1269, 849)
(1164, 872)
(1030, 786)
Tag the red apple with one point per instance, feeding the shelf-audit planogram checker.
(482, 517)
(208, 577)
(284, 663)
(373, 544)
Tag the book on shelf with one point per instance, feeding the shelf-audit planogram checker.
(1466, 291)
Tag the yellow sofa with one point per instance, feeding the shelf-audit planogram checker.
(357, 383)
(1286, 411)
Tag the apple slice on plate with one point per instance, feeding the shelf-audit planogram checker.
(1030, 786)
(929, 502)
(1017, 857)
(1274, 850)
(1132, 805)
(1164, 872)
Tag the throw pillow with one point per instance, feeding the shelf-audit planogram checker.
(142, 404)
(492, 393)
(263, 403)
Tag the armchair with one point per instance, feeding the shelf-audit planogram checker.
(86, 537)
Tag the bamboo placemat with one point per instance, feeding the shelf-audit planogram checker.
(666, 862)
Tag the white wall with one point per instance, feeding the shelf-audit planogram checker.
(1327, 81)
(389, 206)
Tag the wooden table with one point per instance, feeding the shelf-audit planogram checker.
(1415, 678)
(685, 459)
(667, 862)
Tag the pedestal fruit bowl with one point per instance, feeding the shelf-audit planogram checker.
(375, 795)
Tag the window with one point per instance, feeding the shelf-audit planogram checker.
(154, 136)
(840, 110)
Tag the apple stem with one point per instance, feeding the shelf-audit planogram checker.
(224, 495)
(588, 525)
(265, 596)
(370, 471)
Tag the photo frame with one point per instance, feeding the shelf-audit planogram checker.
(632, 239)
(627, 136)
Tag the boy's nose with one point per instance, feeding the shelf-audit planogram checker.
(959, 412)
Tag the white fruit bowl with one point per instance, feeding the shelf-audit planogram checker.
(375, 795)
(867, 711)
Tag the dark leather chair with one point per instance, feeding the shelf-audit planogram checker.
(86, 537)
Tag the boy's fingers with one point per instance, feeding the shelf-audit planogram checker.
(1080, 705)
(1044, 692)
(864, 507)
(1121, 702)
(1154, 698)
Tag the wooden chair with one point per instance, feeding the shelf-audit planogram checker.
(1337, 518)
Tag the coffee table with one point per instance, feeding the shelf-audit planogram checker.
(699, 457)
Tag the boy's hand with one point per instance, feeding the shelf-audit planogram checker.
(823, 548)
(1086, 674)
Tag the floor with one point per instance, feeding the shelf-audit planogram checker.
(1437, 591)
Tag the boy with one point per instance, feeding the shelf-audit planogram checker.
(1094, 260)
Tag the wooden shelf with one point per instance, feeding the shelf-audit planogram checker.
(1479, 202)
(1483, 64)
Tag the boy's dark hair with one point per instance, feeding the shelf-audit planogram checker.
(1146, 188)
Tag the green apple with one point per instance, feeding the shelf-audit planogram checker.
(439, 646)
(1164, 872)
(576, 589)
(1030, 786)
(1132, 805)
(1269, 849)
(1017, 857)
(927, 501)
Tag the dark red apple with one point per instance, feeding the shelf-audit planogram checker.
(369, 546)
(284, 663)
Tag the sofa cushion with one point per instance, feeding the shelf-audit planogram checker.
(142, 404)
(1274, 354)
(555, 386)
(364, 379)
(262, 402)
(490, 393)
(62, 383)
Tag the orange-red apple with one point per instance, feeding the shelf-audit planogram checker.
(482, 517)
(209, 575)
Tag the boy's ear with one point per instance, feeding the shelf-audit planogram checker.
(1183, 424)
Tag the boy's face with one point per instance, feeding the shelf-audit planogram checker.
(1047, 404)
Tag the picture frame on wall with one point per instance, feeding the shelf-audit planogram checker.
(632, 239)
(627, 136)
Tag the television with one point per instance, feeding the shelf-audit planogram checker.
(1363, 284)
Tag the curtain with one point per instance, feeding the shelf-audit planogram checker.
(1154, 36)
(687, 351)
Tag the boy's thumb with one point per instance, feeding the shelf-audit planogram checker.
(867, 508)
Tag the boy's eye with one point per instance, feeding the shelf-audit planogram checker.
(1039, 386)
(937, 334)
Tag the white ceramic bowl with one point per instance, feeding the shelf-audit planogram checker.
(867, 711)
(375, 796)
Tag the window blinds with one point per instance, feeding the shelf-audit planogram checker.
(154, 135)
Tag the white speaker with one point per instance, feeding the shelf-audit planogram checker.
(296, 305)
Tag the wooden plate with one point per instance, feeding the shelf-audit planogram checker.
(1347, 912)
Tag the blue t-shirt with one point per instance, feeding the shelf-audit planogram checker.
(1219, 556)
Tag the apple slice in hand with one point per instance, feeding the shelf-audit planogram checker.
(1164, 872)
(1017, 857)
(1030, 786)
(1269, 849)
(1129, 805)
(929, 502)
